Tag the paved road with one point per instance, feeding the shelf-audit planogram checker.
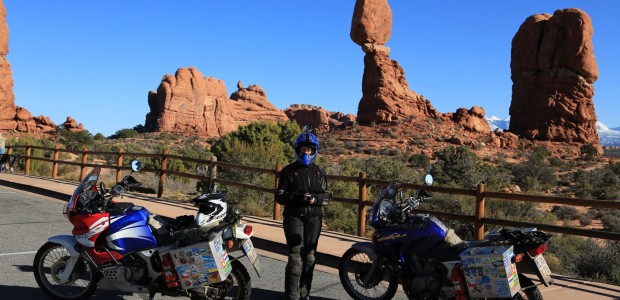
(27, 220)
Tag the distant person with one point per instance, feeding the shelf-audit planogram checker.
(302, 189)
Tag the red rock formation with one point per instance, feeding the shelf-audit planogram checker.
(14, 117)
(472, 119)
(71, 125)
(190, 104)
(386, 96)
(318, 118)
(372, 22)
(553, 71)
(250, 104)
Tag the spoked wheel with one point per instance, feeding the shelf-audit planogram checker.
(49, 261)
(237, 286)
(531, 293)
(353, 270)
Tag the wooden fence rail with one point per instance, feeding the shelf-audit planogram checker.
(478, 219)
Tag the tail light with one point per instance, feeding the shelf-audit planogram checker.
(230, 244)
(169, 272)
(458, 283)
(248, 230)
(538, 250)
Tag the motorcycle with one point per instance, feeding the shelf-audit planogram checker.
(431, 262)
(121, 246)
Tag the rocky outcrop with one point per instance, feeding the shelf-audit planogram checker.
(250, 104)
(553, 71)
(386, 96)
(190, 104)
(318, 118)
(14, 117)
(71, 125)
(472, 119)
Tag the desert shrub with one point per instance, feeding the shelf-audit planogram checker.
(74, 140)
(99, 137)
(585, 220)
(601, 184)
(124, 134)
(611, 220)
(536, 172)
(588, 152)
(459, 166)
(565, 213)
(567, 248)
(419, 160)
(341, 217)
(595, 254)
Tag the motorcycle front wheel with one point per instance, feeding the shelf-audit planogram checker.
(49, 261)
(353, 271)
(237, 286)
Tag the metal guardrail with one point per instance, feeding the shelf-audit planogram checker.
(478, 219)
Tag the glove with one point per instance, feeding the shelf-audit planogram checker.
(309, 198)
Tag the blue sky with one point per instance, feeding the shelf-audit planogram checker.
(97, 60)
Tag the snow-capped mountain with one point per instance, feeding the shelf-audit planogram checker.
(607, 136)
(497, 123)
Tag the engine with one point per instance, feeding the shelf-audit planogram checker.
(133, 273)
(427, 281)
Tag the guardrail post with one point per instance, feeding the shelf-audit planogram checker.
(83, 164)
(212, 171)
(119, 164)
(478, 223)
(27, 167)
(162, 175)
(361, 207)
(55, 162)
(276, 206)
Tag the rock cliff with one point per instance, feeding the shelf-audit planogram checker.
(190, 104)
(553, 71)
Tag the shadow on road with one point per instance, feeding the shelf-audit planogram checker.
(269, 295)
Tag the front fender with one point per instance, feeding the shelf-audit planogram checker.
(68, 242)
(366, 247)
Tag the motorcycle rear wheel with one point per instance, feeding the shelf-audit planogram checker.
(354, 266)
(238, 285)
(50, 260)
(530, 293)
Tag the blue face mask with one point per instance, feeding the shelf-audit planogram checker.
(305, 159)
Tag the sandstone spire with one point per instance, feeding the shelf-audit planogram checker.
(386, 96)
(553, 70)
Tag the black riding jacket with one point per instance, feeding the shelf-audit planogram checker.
(297, 180)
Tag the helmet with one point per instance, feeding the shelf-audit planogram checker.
(211, 212)
(307, 139)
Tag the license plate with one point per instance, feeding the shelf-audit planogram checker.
(250, 252)
(543, 269)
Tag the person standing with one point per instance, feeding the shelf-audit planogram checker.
(302, 189)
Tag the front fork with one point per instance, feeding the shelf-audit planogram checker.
(69, 243)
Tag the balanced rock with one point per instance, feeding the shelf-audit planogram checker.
(372, 22)
(553, 71)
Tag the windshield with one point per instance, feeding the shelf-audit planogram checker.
(87, 184)
(381, 208)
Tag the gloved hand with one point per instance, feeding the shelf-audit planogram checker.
(309, 198)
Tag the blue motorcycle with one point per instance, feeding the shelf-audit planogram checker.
(429, 261)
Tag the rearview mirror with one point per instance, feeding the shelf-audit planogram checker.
(428, 179)
(136, 165)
